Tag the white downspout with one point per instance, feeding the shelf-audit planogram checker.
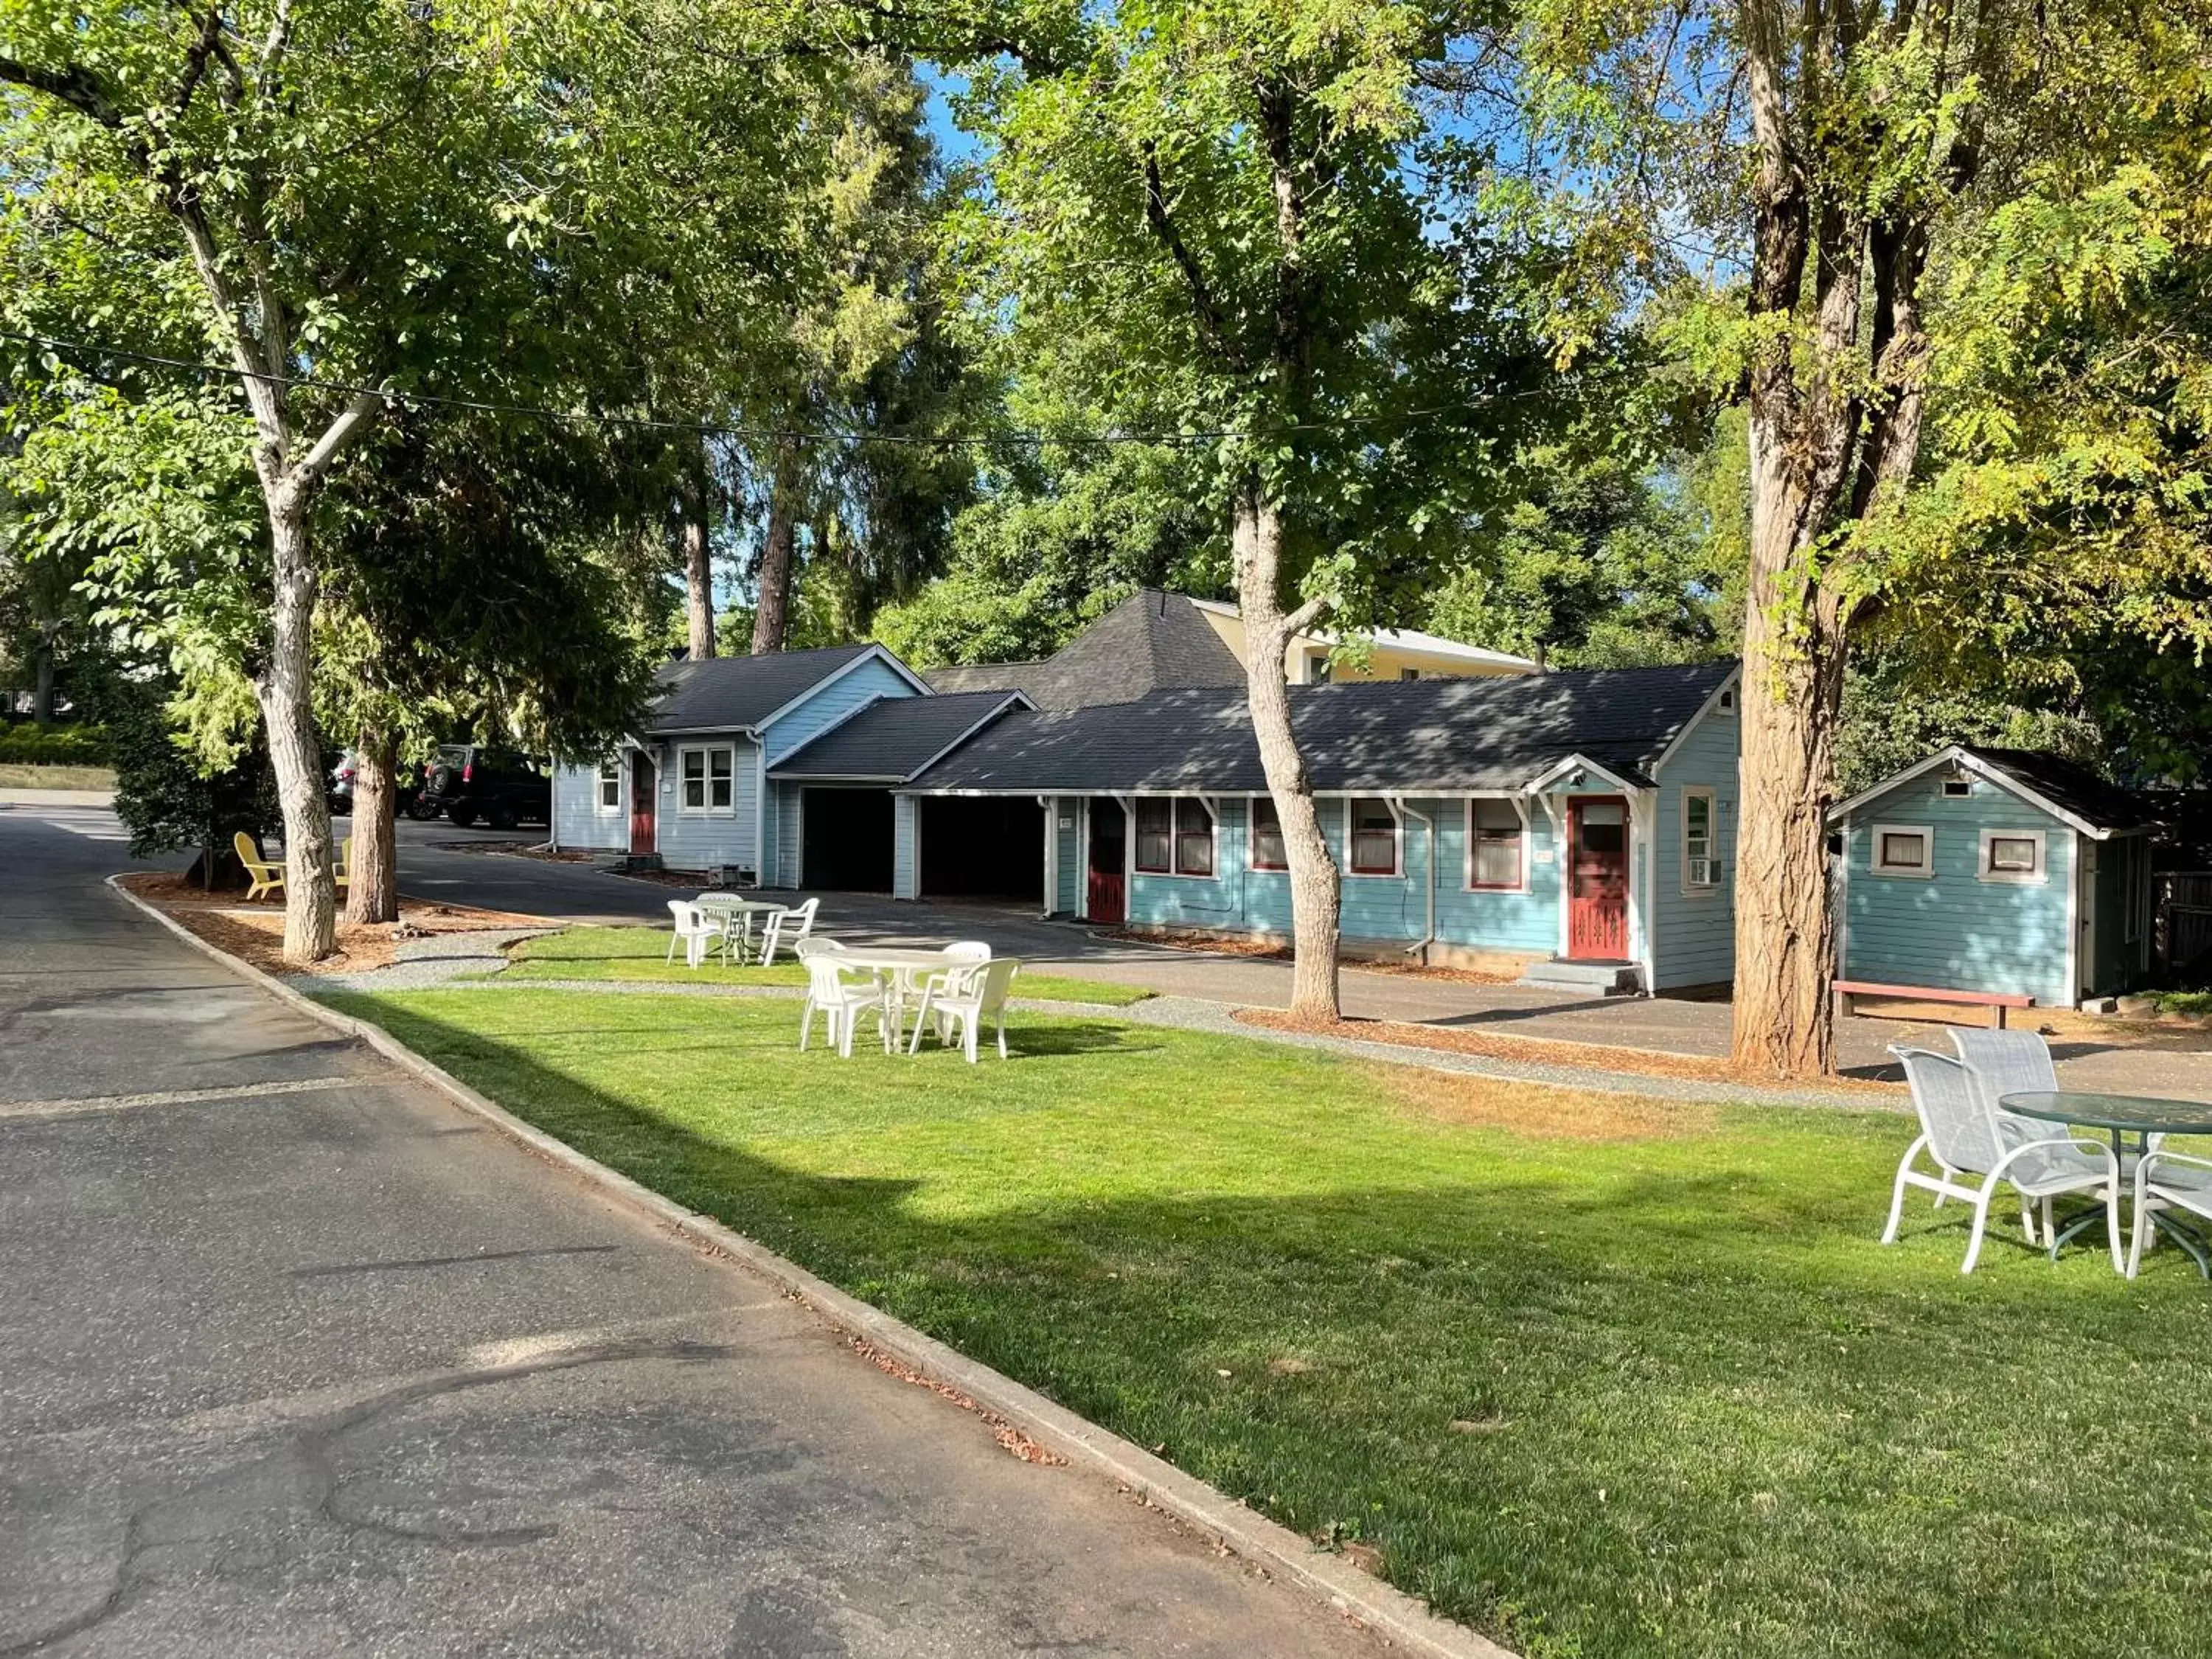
(1051, 857)
(1429, 937)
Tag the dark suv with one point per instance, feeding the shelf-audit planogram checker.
(469, 782)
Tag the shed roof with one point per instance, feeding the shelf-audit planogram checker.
(1153, 640)
(891, 739)
(719, 694)
(2064, 787)
(1389, 736)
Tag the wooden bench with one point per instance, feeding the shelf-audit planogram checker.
(1996, 1001)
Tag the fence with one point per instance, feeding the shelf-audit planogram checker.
(2181, 931)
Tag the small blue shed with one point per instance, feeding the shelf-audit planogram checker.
(1994, 869)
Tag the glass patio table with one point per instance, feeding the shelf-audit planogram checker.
(2120, 1116)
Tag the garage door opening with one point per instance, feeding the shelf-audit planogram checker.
(846, 837)
(984, 847)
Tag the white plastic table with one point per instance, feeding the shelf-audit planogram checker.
(906, 967)
(740, 912)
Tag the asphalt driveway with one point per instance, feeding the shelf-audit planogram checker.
(296, 1359)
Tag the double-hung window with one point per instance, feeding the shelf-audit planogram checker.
(1701, 863)
(1494, 836)
(1268, 851)
(709, 780)
(2012, 855)
(1175, 838)
(1374, 836)
(609, 784)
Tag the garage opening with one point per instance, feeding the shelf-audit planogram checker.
(986, 846)
(846, 837)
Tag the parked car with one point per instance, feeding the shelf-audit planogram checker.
(409, 780)
(469, 782)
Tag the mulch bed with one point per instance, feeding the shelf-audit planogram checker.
(255, 933)
(1546, 1051)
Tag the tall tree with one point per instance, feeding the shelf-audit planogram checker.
(1836, 174)
(1220, 215)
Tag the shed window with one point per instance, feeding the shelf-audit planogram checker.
(1318, 669)
(1374, 837)
(1494, 834)
(609, 784)
(1267, 852)
(1175, 838)
(1700, 865)
(1957, 788)
(709, 779)
(1903, 849)
(2014, 855)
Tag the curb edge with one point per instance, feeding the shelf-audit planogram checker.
(1390, 1613)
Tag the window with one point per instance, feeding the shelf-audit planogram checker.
(1317, 668)
(1957, 788)
(2014, 855)
(1700, 841)
(1175, 838)
(1156, 836)
(1728, 702)
(1194, 847)
(1494, 838)
(709, 779)
(1904, 850)
(1409, 673)
(1374, 837)
(609, 784)
(1267, 852)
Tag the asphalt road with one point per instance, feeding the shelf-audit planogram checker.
(296, 1359)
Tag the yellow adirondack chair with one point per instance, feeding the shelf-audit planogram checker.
(267, 876)
(342, 864)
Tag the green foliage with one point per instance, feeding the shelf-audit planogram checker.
(1891, 721)
(53, 745)
(166, 794)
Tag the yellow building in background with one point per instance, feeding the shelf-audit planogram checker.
(1392, 654)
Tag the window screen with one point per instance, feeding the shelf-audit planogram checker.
(1374, 837)
(1497, 840)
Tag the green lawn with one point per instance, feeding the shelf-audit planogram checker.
(640, 953)
(1657, 1393)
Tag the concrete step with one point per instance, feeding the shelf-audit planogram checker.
(1591, 979)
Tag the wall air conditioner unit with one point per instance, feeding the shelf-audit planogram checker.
(1705, 872)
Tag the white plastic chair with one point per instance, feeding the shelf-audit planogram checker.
(793, 927)
(963, 1000)
(840, 993)
(1961, 1136)
(963, 954)
(2167, 1181)
(694, 928)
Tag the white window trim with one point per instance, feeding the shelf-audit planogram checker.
(1711, 798)
(1467, 881)
(1397, 870)
(2039, 877)
(599, 780)
(706, 809)
(1927, 834)
(1175, 839)
(1252, 840)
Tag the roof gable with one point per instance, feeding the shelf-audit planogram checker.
(892, 739)
(2066, 789)
(1152, 641)
(730, 694)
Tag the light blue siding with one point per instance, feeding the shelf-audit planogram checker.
(1068, 854)
(906, 851)
(1695, 928)
(696, 841)
(578, 824)
(1952, 929)
(1489, 919)
(830, 703)
(783, 810)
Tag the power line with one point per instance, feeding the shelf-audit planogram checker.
(758, 435)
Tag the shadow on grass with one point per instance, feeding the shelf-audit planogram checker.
(1588, 1406)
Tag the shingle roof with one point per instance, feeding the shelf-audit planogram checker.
(894, 738)
(2068, 785)
(1401, 736)
(727, 693)
(1151, 641)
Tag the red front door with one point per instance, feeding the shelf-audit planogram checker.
(640, 804)
(1106, 896)
(1597, 878)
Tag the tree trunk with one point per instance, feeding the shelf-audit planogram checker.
(42, 699)
(698, 555)
(284, 692)
(1257, 539)
(772, 617)
(1793, 683)
(372, 886)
